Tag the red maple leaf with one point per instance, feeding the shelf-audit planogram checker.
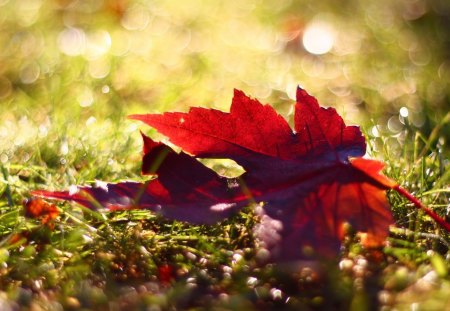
(310, 181)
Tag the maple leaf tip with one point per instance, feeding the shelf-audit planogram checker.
(139, 117)
(148, 143)
(301, 94)
(238, 93)
(133, 116)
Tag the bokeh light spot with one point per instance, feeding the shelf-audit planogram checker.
(99, 68)
(318, 37)
(135, 18)
(72, 41)
(98, 43)
(85, 97)
(30, 73)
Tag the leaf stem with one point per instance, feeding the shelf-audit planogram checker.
(403, 192)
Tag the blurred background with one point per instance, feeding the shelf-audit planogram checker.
(77, 68)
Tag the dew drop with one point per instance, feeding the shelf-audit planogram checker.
(252, 281)
(4, 158)
(276, 294)
(64, 149)
(73, 189)
(191, 256)
(85, 98)
(221, 207)
(404, 112)
(43, 131)
(375, 132)
(236, 258)
(346, 264)
(91, 120)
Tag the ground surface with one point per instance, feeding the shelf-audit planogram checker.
(70, 72)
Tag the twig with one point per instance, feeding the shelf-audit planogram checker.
(403, 192)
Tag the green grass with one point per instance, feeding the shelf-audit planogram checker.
(63, 122)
